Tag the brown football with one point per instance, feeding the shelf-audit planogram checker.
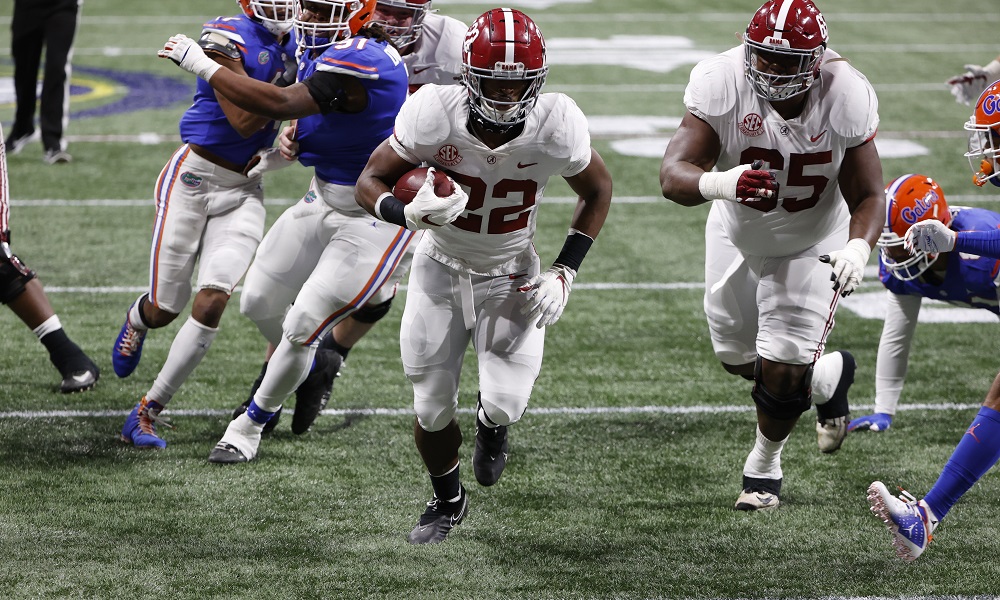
(407, 186)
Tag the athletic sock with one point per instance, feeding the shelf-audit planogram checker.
(764, 461)
(447, 487)
(186, 352)
(64, 354)
(976, 453)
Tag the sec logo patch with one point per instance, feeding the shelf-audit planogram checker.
(752, 125)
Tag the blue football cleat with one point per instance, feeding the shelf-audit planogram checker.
(911, 522)
(140, 426)
(128, 349)
(873, 422)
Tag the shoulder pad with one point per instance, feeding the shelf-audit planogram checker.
(214, 42)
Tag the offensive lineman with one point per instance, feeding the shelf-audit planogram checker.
(784, 99)
(209, 211)
(478, 278)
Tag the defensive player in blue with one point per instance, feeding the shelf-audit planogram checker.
(912, 521)
(957, 278)
(324, 257)
(209, 209)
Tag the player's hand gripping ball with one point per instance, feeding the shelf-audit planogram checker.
(432, 199)
(409, 184)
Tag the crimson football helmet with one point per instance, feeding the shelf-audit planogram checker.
(322, 23)
(984, 139)
(784, 44)
(403, 35)
(909, 199)
(274, 15)
(503, 46)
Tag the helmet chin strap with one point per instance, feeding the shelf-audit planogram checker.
(494, 128)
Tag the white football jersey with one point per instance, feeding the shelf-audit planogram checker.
(493, 236)
(438, 55)
(806, 152)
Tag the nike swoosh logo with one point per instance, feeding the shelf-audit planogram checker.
(81, 378)
(420, 70)
(427, 220)
(815, 138)
(765, 499)
(525, 165)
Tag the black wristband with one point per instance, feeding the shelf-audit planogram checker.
(391, 210)
(574, 250)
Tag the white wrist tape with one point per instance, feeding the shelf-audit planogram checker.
(721, 185)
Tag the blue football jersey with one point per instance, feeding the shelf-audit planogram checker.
(204, 123)
(338, 145)
(969, 280)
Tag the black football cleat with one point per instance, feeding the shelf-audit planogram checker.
(313, 394)
(80, 380)
(490, 456)
(438, 519)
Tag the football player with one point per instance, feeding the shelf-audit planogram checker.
(431, 47)
(912, 521)
(957, 278)
(209, 208)
(476, 278)
(324, 257)
(23, 293)
(778, 137)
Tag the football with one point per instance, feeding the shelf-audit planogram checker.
(407, 186)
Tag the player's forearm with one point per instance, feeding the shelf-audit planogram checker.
(980, 243)
(257, 97)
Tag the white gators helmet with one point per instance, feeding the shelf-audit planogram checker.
(274, 15)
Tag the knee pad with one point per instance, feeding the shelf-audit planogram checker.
(784, 407)
(14, 275)
(370, 313)
(435, 399)
(503, 410)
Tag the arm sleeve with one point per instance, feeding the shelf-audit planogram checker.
(327, 89)
(894, 350)
(980, 243)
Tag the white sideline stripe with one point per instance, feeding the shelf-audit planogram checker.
(402, 412)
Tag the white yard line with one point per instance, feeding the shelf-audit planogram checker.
(402, 412)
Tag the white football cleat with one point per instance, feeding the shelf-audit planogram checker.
(910, 521)
(830, 433)
(240, 442)
(759, 494)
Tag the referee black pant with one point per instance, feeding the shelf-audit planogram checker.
(52, 24)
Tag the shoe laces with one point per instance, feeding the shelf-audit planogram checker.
(912, 503)
(130, 341)
(150, 418)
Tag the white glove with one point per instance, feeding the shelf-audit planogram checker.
(967, 87)
(428, 210)
(547, 295)
(930, 236)
(189, 56)
(848, 265)
(266, 159)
